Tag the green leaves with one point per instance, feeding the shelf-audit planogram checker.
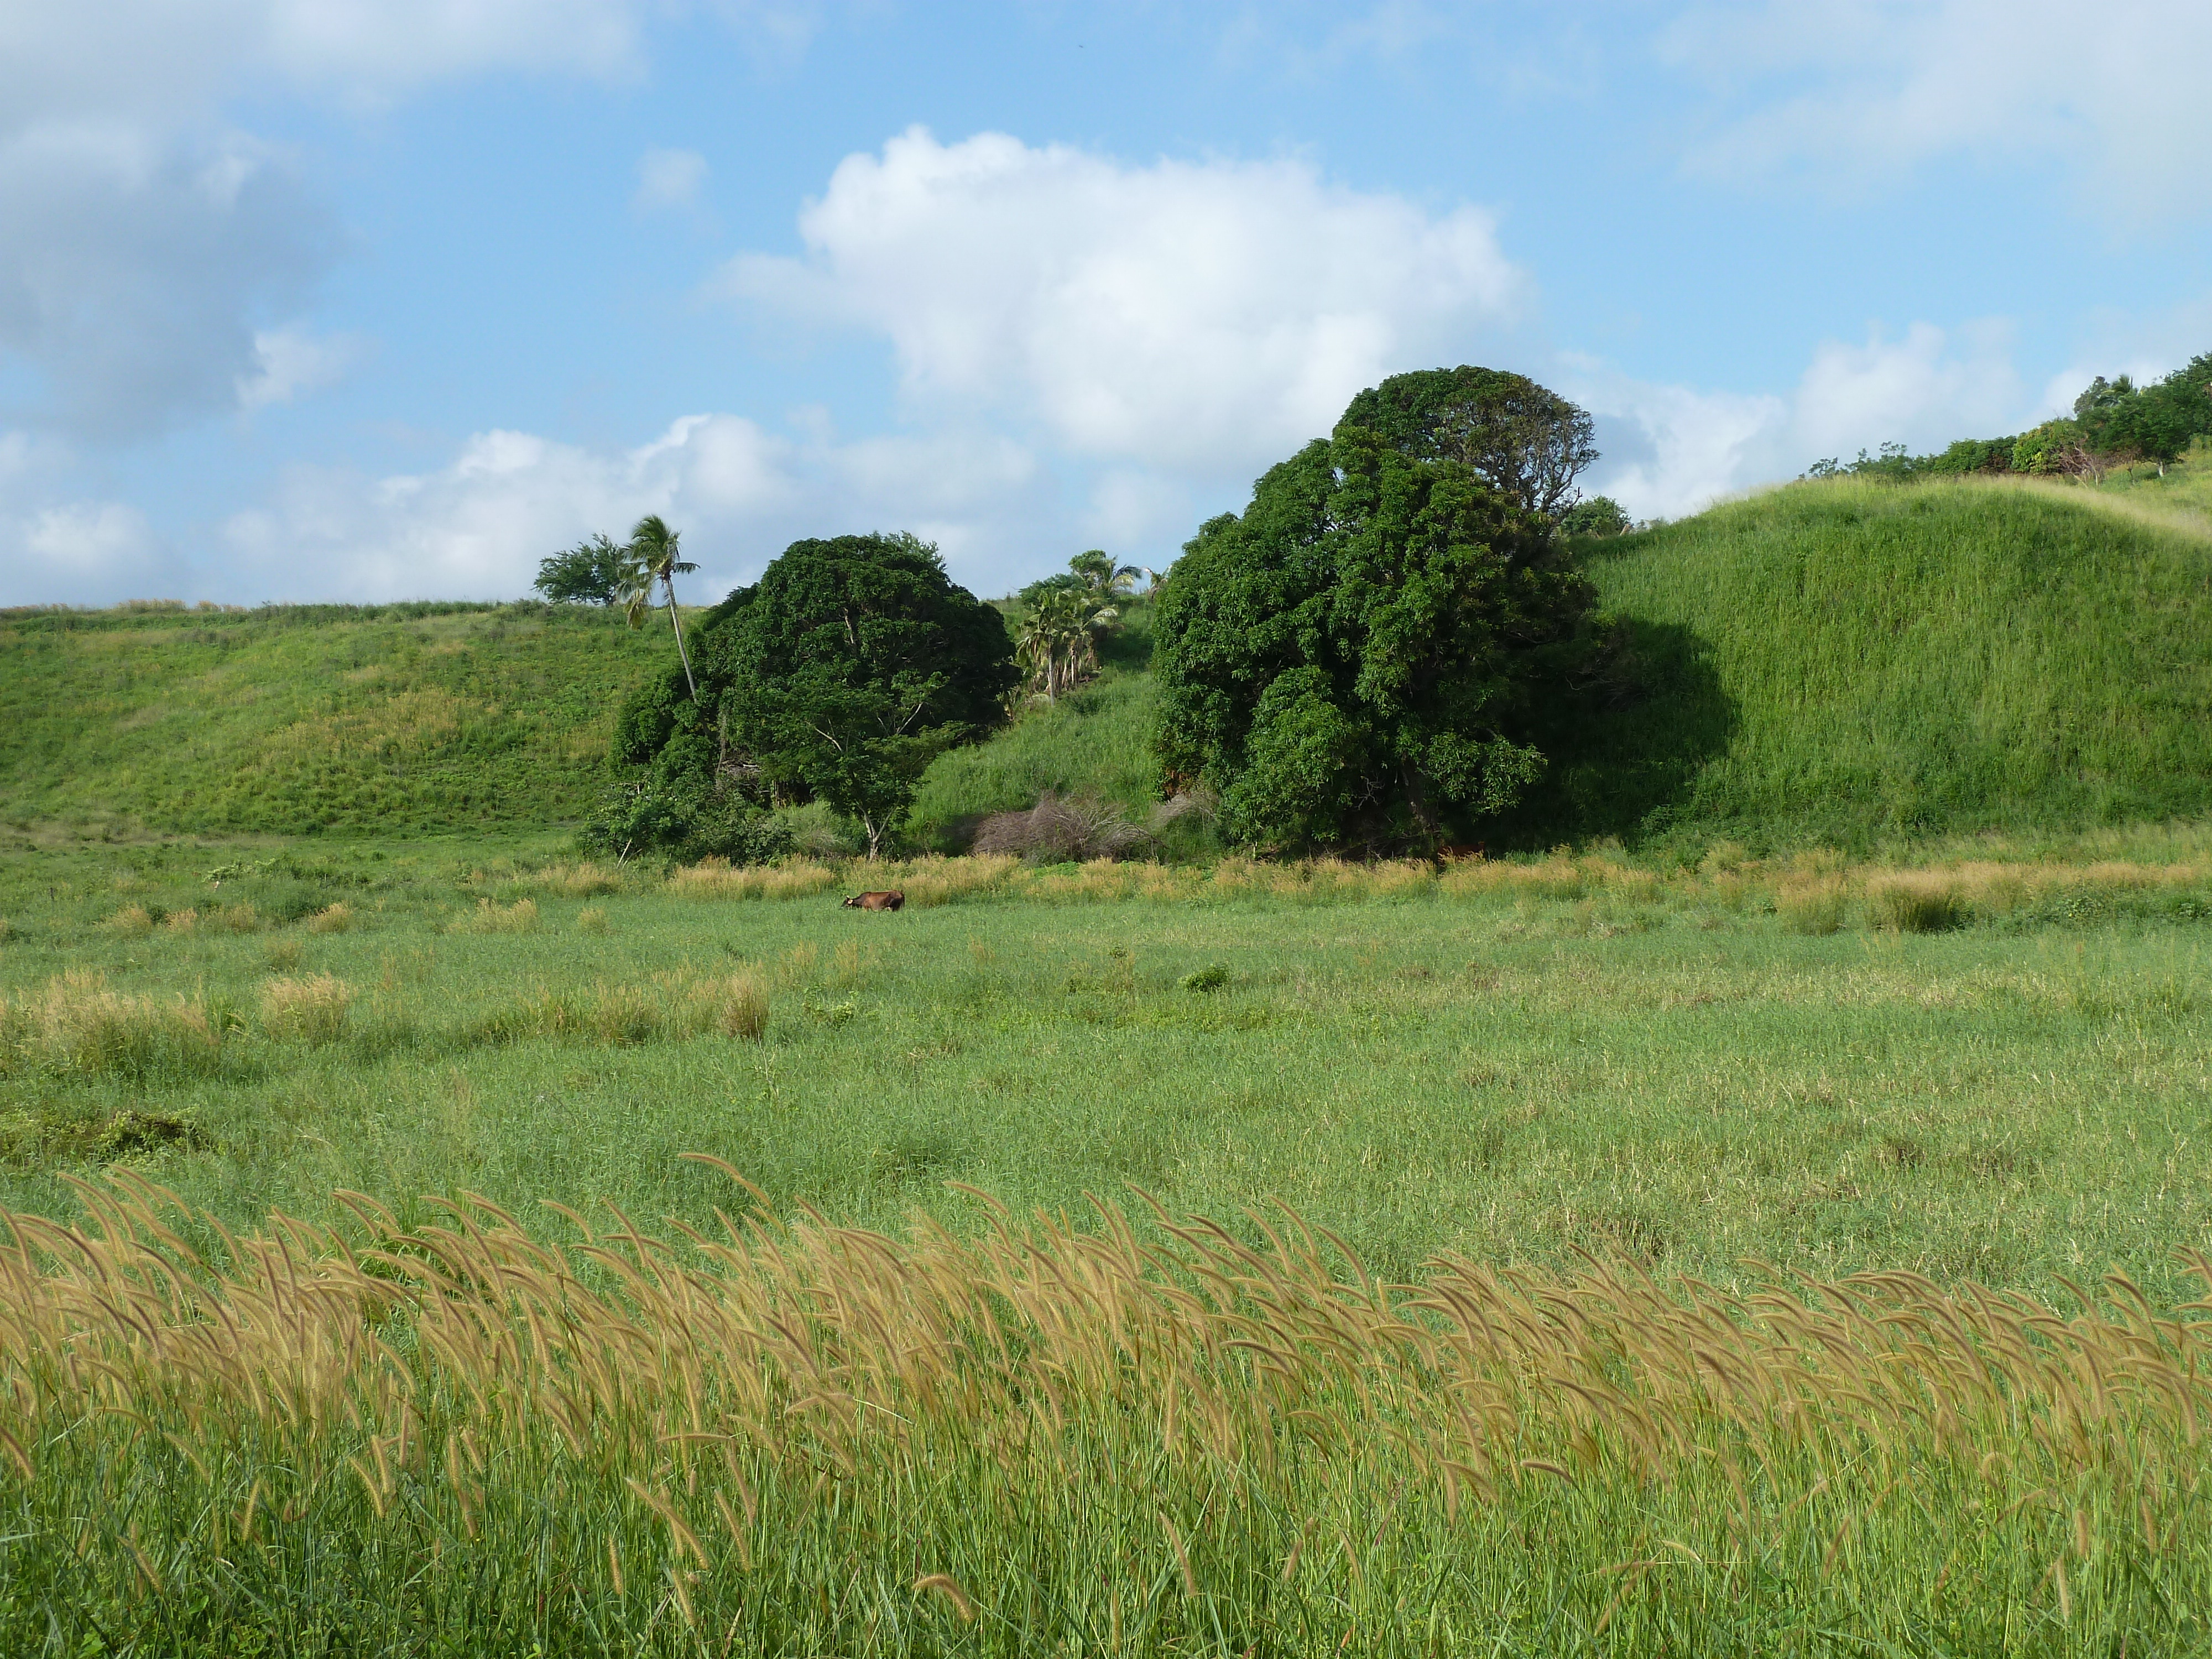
(1355, 661)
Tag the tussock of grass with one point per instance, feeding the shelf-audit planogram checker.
(332, 919)
(519, 917)
(1040, 1439)
(131, 921)
(581, 880)
(181, 921)
(671, 1008)
(78, 1025)
(312, 1009)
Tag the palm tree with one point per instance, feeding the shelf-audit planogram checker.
(652, 558)
(1102, 579)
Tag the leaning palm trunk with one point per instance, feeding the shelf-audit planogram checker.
(676, 621)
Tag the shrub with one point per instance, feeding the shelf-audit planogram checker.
(312, 1009)
(1061, 831)
(1212, 977)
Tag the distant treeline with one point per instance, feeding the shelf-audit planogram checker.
(159, 611)
(2114, 423)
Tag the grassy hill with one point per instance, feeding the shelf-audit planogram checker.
(294, 720)
(1849, 660)
(1846, 662)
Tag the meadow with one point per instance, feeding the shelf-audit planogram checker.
(1523, 1312)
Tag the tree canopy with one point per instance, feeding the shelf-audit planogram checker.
(593, 572)
(1357, 658)
(839, 676)
(1523, 440)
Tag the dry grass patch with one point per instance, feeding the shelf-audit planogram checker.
(519, 917)
(332, 919)
(583, 880)
(592, 918)
(131, 921)
(78, 1024)
(717, 879)
(181, 921)
(312, 1009)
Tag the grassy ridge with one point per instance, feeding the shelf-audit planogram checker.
(1854, 661)
(304, 719)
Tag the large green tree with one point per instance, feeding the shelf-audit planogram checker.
(1359, 659)
(1523, 440)
(839, 676)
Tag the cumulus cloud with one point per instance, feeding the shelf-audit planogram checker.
(669, 178)
(1201, 318)
(131, 267)
(288, 362)
(478, 526)
(1855, 90)
(146, 245)
(1668, 450)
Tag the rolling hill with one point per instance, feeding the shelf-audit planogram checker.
(1841, 662)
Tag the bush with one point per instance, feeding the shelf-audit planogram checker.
(1058, 830)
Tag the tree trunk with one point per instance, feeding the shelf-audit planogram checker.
(875, 836)
(676, 623)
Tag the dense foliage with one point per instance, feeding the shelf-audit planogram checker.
(1355, 659)
(851, 664)
(592, 572)
(1523, 440)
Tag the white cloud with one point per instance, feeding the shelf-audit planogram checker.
(1203, 318)
(1917, 391)
(289, 361)
(1855, 90)
(145, 244)
(478, 526)
(83, 552)
(130, 267)
(1670, 450)
(669, 178)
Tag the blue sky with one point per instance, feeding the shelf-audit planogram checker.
(378, 299)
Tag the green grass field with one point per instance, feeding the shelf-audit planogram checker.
(305, 719)
(1767, 1229)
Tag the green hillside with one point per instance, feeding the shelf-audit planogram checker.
(1847, 660)
(1844, 662)
(299, 719)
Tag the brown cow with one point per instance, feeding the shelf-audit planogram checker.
(875, 901)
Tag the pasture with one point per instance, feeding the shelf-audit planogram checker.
(1687, 1066)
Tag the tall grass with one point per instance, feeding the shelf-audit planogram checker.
(470, 1436)
(1854, 661)
(78, 1025)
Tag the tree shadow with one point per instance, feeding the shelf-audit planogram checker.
(1625, 751)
